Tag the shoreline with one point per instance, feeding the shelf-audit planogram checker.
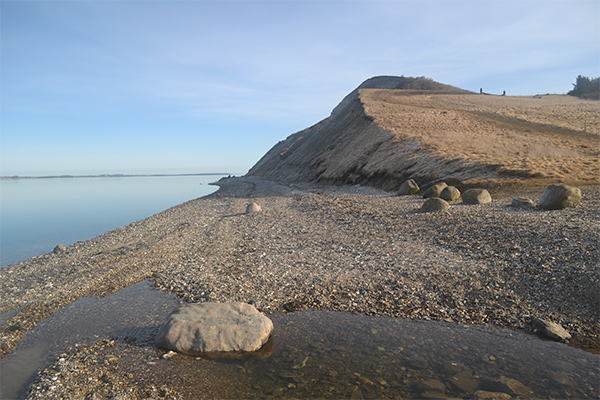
(337, 248)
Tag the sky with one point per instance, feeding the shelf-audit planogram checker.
(94, 87)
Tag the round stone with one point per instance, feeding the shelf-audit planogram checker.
(253, 208)
(556, 197)
(214, 327)
(434, 204)
(407, 188)
(450, 193)
(476, 196)
(435, 190)
(60, 248)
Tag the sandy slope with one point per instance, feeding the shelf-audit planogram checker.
(548, 138)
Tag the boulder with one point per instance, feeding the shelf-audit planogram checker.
(435, 190)
(550, 329)
(450, 193)
(214, 327)
(253, 208)
(522, 202)
(407, 188)
(557, 197)
(476, 196)
(434, 204)
(59, 249)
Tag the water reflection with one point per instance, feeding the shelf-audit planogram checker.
(125, 313)
(341, 355)
(37, 214)
(317, 354)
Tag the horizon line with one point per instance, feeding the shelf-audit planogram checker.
(15, 177)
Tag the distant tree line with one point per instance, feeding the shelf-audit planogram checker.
(586, 88)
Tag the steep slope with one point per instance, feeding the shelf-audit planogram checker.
(390, 129)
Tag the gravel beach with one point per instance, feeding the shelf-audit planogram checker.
(338, 248)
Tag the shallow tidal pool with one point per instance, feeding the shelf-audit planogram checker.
(321, 354)
(318, 354)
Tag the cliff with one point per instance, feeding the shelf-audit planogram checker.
(390, 129)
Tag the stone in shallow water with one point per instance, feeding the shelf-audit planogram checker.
(484, 395)
(550, 329)
(214, 327)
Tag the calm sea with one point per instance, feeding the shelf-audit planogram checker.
(38, 214)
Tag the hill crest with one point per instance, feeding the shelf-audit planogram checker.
(390, 129)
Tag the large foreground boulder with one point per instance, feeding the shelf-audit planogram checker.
(214, 327)
(556, 197)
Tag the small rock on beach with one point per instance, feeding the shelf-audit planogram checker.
(253, 208)
(551, 330)
(407, 188)
(450, 193)
(476, 196)
(557, 197)
(522, 202)
(434, 204)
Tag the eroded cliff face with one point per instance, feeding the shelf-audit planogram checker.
(365, 142)
(350, 148)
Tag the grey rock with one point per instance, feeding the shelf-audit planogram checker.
(485, 395)
(435, 190)
(476, 196)
(59, 249)
(253, 208)
(408, 187)
(557, 197)
(417, 362)
(522, 202)
(431, 385)
(214, 327)
(550, 329)
(516, 387)
(434, 204)
(450, 193)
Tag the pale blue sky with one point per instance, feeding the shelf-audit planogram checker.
(209, 86)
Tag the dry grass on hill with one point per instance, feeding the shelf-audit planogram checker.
(554, 138)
